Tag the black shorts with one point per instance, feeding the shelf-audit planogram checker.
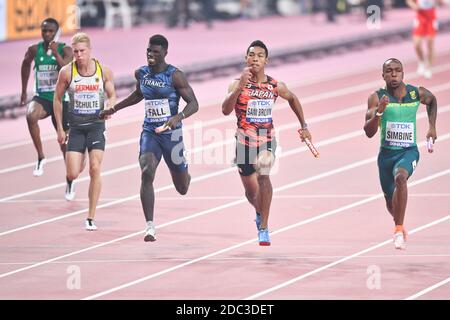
(90, 136)
(246, 156)
(48, 107)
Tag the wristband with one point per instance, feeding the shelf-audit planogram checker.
(379, 114)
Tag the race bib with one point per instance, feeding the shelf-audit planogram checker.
(46, 80)
(86, 103)
(259, 111)
(399, 134)
(157, 110)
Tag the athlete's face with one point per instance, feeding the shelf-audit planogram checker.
(256, 59)
(155, 55)
(48, 31)
(393, 73)
(81, 52)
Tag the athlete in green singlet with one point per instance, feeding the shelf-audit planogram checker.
(394, 109)
(49, 57)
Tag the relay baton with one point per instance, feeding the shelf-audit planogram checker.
(430, 144)
(56, 39)
(310, 145)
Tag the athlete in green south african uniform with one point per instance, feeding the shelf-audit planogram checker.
(394, 110)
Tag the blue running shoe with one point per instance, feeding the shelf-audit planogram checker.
(258, 221)
(263, 237)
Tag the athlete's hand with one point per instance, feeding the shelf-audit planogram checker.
(173, 121)
(384, 101)
(105, 114)
(245, 76)
(23, 98)
(61, 136)
(305, 135)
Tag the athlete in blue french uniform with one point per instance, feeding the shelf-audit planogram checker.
(160, 85)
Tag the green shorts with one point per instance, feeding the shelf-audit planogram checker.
(389, 161)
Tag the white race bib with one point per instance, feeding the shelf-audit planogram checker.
(157, 110)
(46, 80)
(399, 134)
(259, 111)
(86, 103)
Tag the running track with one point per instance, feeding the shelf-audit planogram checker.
(328, 220)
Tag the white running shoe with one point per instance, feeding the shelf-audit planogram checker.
(427, 74)
(399, 241)
(150, 233)
(421, 69)
(39, 168)
(70, 191)
(90, 226)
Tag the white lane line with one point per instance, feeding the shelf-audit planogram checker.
(318, 217)
(216, 121)
(217, 173)
(213, 102)
(194, 180)
(359, 253)
(282, 128)
(213, 198)
(265, 258)
(208, 211)
(429, 289)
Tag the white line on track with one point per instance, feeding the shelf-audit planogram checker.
(214, 122)
(231, 204)
(281, 128)
(212, 198)
(265, 258)
(315, 218)
(429, 289)
(357, 254)
(302, 83)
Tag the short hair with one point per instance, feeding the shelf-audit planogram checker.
(159, 40)
(51, 20)
(258, 43)
(391, 59)
(81, 37)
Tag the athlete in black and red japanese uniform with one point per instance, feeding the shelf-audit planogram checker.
(253, 96)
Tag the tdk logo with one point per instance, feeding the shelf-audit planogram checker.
(401, 126)
(156, 103)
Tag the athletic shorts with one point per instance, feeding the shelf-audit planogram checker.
(48, 107)
(389, 161)
(90, 137)
(169, 145)
(246, 156)
(425, 24)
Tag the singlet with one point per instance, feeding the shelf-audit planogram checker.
(253, 109)
(46, 71)
(161, 99)
(86, 96)
(398, 122)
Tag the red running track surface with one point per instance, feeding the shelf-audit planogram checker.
(328, 220)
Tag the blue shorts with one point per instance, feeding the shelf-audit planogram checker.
(170, 145)
(389, 161)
